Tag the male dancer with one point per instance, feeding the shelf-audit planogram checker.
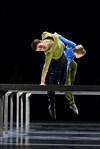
(53, 49)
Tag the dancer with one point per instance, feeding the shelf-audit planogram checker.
(55, 63)
(71, 51)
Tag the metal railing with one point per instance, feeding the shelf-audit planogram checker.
(21, 95)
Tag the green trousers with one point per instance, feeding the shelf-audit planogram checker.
(70, 78)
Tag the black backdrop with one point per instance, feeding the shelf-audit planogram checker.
(21, 22)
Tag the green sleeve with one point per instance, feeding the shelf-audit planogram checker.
(48, 58)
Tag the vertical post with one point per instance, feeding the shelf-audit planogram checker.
(17, 111)
(1, 117)
(6, 111)
(27, 120)
(21, 98)
(11, 111)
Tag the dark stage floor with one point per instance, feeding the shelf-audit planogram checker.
(51, 135)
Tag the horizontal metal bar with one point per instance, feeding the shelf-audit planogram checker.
(59, 92)
(36, 87)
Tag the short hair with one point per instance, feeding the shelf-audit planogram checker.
(79, 49)
(34, 44)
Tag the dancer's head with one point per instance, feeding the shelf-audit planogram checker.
(79, 51)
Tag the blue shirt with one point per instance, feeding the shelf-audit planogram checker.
(69, 47)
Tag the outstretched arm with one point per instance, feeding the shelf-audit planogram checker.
(65, 41)
(46, 65)
(43, 77)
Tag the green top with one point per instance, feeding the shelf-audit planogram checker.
(55, 51)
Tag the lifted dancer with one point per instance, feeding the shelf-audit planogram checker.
(71, 51)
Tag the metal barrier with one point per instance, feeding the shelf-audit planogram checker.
(19, 92)
(20, 114)
(1, 117)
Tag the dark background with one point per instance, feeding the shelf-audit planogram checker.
(23, 21)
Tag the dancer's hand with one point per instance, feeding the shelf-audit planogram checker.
(42, 84)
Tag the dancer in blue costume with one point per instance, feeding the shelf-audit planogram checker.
(71, 51)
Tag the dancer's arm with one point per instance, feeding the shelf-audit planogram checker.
(65, 41)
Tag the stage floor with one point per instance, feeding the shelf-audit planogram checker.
(51, 135)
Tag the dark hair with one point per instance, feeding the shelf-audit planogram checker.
(34, 44)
